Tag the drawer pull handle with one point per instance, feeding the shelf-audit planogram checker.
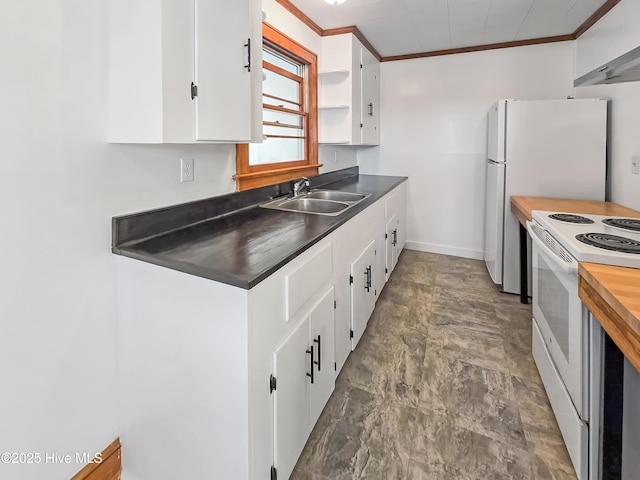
(310, 352)
(248, 45)
(319, 362)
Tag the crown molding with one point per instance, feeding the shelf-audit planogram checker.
(597, 15)
(480, 48)
(357, 33)
(299, 14)
(586, 25)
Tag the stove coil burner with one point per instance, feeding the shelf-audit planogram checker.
(632, 224)
(570, 218)
(610, 242)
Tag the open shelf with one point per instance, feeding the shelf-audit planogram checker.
(332, 107)
(333, 72)
(333, 142)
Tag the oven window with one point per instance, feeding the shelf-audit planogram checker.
(553, 300)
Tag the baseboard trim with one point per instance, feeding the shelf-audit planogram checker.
(445, 250)
(108, 469)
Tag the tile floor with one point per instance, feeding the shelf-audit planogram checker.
(442, 386)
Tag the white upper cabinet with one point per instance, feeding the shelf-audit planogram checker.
(370, 79)
(184, 71)
(349, 92)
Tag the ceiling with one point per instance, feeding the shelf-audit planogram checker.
(402, 27)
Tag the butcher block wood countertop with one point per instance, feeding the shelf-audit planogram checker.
(612, 294)
(522, 207)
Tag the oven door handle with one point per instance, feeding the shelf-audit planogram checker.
(566, 268)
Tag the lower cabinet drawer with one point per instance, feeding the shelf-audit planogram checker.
(307, 277)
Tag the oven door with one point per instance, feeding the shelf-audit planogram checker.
(561, 317)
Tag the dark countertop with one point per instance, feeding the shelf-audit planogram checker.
(230, 239)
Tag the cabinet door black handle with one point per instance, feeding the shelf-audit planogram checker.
(319, 362)
(367, 274)
(366, 279)
(310, 352)
(248, 45)
(371, 109)
(395, 237)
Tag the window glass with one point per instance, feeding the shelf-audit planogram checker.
(289, 149)
(274, 150)
(279, 60)
(283, 113)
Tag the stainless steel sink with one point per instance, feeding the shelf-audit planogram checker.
(312, 205)
(336, 195)
(318, 202)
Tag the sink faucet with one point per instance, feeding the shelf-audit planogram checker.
(297, 186)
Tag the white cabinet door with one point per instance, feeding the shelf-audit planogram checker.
(304, 373)
(291, 367)
(349, 92)
(370, 98)
(363, 292)
(395, 228)
(160, 50)
(392, 248)
(222, 62)
(321, 325)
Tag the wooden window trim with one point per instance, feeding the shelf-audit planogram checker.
(252, 176)
(283, 109)
(282, 71)
(281, 99)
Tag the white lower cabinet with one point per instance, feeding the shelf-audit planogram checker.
(302, 382)
(321, 324)
(395, 231)
(391, 246)
(290, 399)
(363, 291)
(220, 381)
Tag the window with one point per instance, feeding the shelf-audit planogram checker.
(290, 116)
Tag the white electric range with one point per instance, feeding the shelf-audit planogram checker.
(567, 343)
(595, 238)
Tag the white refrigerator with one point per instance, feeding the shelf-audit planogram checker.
(539, 148)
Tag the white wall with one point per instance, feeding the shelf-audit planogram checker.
(60, 184)
(333, 157)
(433, 130)
(616, 33)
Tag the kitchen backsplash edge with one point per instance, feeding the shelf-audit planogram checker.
(132, 228)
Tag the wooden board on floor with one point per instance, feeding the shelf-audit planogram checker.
(108, 469)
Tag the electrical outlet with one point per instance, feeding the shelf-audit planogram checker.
(635, 164)
(186, 170)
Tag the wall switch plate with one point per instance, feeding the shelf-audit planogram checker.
(635, 164)
(186, 170)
